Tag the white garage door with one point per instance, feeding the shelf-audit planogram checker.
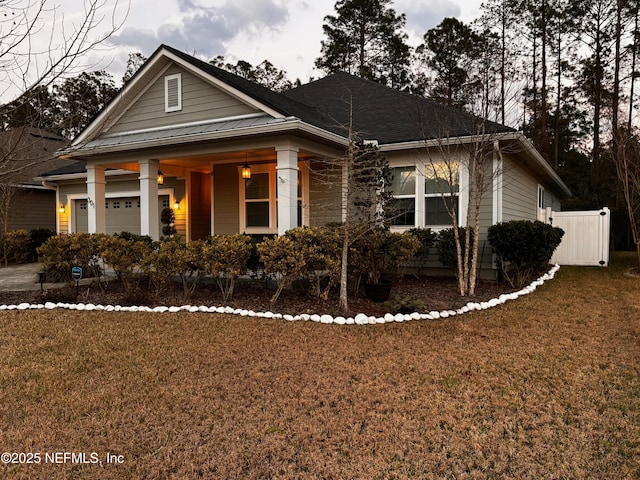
(123, 214)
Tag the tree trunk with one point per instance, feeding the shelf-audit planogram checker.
(344, 300)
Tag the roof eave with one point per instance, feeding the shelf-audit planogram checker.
(526, 145)
(288, 125)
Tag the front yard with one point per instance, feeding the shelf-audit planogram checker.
(547, 386)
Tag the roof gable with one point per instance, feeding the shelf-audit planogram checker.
(151, 75)
(200, 102)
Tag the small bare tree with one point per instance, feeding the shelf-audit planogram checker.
(627, 163)
(476, 157)
(360, 175)
(26, 67)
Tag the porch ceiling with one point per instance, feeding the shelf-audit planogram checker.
(180, 164)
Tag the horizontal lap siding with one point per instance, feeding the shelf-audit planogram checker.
(519, 194)
(200, 101)
(324, 197)
(485, 257)
(226, 200)
(33, 209)
(179, 190)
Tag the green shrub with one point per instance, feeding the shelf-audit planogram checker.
(168, 220)
(380, 252)
(16, 246)
(160, 263)
(134, 237)
(446, 245)
(523, 248)
(126, 258)
(404, 305)
(321, 249)
(427, 238)
(60, 253)
(38, 237)
(282, 261)
(225, 258)
(194, 268)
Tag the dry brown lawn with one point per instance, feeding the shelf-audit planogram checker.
(547, 386)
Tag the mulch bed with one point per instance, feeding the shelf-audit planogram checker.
(428, 293)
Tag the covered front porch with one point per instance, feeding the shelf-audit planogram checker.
(255, 189)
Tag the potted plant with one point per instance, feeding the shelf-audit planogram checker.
(379, 254)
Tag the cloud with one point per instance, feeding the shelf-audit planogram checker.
(424, 15)
(205, 29)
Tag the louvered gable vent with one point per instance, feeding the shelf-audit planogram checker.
(173, 93)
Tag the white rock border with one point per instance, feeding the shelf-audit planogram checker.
(359, 319)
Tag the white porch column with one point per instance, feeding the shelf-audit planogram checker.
(96, 211)
(287, 187)
(149, 214)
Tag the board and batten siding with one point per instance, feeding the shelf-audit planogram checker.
(201, 101)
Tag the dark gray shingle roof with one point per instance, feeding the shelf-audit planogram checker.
(379, 112)
(387, 115)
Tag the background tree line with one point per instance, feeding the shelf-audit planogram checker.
(562, 71)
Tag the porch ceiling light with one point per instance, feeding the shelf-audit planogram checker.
(246, 171)
(160, 178)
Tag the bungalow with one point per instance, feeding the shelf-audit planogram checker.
(229, 155)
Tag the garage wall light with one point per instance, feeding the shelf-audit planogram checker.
(61, 208)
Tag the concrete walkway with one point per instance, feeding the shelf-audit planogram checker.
(20, 278)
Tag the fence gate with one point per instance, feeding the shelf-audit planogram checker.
(586, 237)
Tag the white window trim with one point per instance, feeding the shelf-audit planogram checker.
(541, 205)
(167, 79)
(417, 178)
(421, 195)
(270, 168)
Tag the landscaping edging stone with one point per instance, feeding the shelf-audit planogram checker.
(359, 319)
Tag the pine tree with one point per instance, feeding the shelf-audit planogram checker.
(366, 39)
(449, 50)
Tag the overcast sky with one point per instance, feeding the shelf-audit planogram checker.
(285, 32)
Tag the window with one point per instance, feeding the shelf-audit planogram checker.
(173, 93)
(259, 200)
(403, 188)
(541, 196)
(127, 204)
(441, 188)
(116, 204)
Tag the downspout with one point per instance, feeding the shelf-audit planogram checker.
(498, 166)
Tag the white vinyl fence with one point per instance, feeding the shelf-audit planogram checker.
(586, 237)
